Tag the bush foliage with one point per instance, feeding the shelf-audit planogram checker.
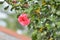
(44, 16)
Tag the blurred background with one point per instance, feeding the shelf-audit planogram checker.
(8, 18)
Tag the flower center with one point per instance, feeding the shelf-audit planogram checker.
(23, 19)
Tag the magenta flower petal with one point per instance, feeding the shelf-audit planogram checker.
(23, 20)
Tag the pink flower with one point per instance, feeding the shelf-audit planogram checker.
(14, 1)
(23, 20)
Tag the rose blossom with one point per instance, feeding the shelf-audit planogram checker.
(23, 20)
